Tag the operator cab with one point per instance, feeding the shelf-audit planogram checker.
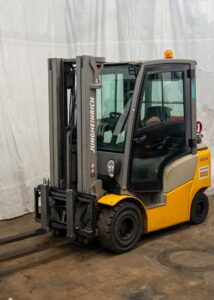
(144, 113)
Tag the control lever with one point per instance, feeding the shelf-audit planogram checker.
(141, 139)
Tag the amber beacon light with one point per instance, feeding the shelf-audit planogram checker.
(168, 54)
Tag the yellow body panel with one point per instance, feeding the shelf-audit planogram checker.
(175, 211)
(202, 178)
(112, 199)
(178, 201)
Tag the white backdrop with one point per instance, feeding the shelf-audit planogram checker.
(31, 31)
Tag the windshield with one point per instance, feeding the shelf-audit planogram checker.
(113, 105)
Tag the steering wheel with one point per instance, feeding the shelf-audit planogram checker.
(108, 123)
(114, 114)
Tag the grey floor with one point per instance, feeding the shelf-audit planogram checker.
(176, 263)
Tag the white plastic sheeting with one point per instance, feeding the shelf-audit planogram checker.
(31, 31)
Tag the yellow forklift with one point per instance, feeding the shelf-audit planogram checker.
(125, 158)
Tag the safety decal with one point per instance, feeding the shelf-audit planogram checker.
(203, 172)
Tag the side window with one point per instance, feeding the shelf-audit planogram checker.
(160, 132)
(163, 98)
(113, 101)
(110, 96)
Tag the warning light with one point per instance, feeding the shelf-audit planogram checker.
(168, 54)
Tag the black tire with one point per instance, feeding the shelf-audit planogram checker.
(120, 227)
(199, 208)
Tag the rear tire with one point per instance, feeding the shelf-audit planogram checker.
(199, 208)
(120, 227)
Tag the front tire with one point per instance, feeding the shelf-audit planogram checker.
(120, 227)
(199, 208)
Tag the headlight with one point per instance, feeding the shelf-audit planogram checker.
(110, 168)
(113, 167)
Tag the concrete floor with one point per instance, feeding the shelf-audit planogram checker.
(156, 270)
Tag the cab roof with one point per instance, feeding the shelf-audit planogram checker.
(155, 62)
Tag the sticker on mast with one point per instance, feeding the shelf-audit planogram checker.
(92, 125)
(203, 172)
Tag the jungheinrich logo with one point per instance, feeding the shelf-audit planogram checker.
(92, 124)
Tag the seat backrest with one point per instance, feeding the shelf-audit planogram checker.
(162, 112)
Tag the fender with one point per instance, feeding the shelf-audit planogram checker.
(112, 200)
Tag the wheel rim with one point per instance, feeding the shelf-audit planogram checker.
(126, 228)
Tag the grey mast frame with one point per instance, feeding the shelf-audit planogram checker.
(88, 70)
(54, 80)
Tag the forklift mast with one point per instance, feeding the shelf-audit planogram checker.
(72, 93)
(68, 201)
